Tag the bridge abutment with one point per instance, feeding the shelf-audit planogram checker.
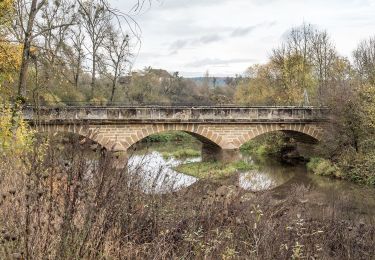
(210, 152)
(230, 155)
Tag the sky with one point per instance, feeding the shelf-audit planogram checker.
(225, 37)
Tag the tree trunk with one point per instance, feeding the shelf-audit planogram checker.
(76, 76)
(93, 75)
(113, 89)
(114, 81)
(26, 51)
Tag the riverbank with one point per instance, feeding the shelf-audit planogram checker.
(356, 171)
(354, 167)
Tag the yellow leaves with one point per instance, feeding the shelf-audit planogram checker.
(10, 59)
(50, 99)
(10, 54)
(15, 135)
(33, 50)
(253, 91)
(279, 82)
(6, 7)
(6, 13)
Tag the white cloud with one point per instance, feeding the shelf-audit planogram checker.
(227, 36)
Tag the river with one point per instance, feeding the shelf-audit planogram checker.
(158, 176)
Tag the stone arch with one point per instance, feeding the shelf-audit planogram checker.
(310, 133)
(120, 137)
(201, 132)
(83, 131)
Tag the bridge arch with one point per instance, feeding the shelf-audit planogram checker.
(82, 131)
(308, 133)
(217, 136)
(200, 132)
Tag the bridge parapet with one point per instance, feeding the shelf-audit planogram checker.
(164, 114)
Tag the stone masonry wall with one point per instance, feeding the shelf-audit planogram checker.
(119, 137)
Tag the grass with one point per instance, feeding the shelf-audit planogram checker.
(213, 170)
(167, 149)
(169, 137)
(181, 154)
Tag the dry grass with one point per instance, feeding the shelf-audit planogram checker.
(61, 206)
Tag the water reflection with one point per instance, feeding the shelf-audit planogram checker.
(256, 181)
(268, 175)
(157, 174)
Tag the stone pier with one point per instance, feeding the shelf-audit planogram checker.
(212, 152)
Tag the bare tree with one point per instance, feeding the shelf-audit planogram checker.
(56, 19)
(116, 47)
(75, 52)
(28, 25)
(96, 20)
(296, 49)
(32, 10)
(46, 26)
(324, 55)
(364, 60)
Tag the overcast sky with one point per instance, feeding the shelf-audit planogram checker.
(227, 36)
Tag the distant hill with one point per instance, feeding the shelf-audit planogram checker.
(220, 81)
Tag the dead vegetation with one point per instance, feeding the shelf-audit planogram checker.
(58, 204)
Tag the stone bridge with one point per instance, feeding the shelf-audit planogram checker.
(222, 130)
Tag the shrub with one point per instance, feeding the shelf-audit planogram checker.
(313, 163)
(323, 167)
(63, 206)
(359, 167)
(262, 150)
(248, 146)
(15, 135)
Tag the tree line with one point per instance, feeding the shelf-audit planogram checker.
(66, 51)
(65, 45)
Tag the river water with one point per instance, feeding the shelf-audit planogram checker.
(158, 176)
